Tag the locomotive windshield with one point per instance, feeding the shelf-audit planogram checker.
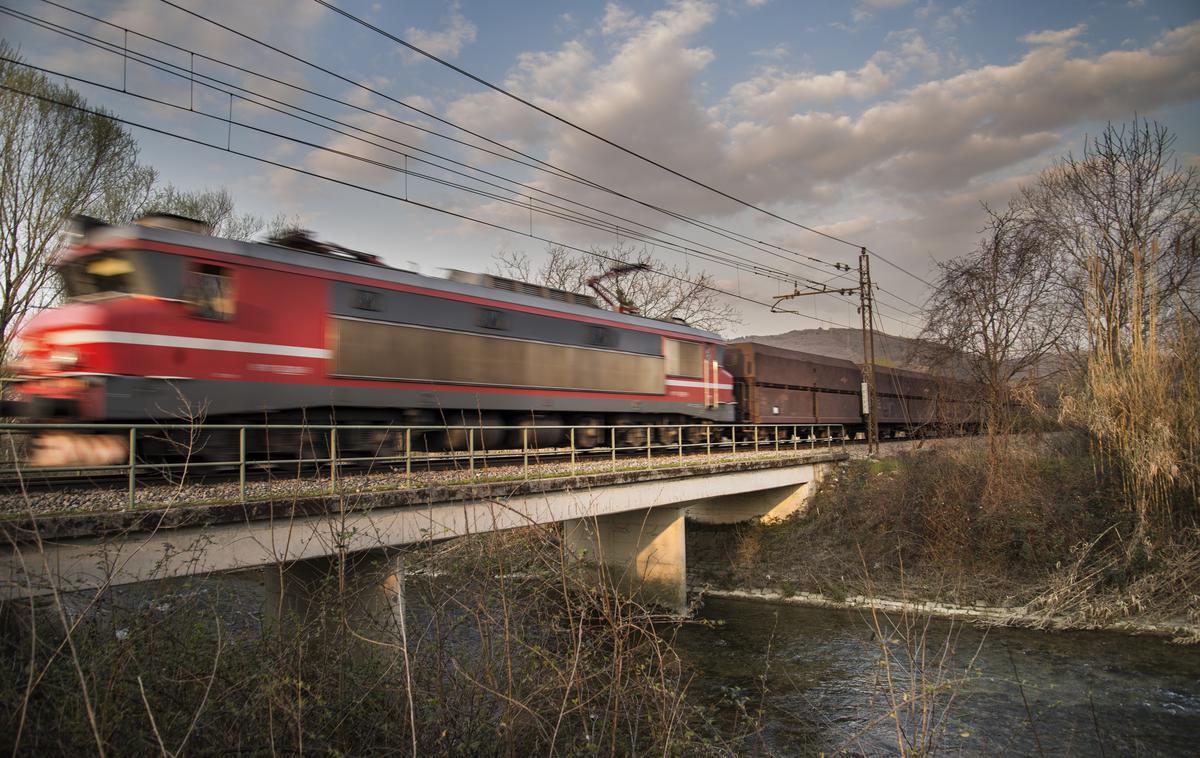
(113, 273)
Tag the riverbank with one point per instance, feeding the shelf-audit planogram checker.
(927, 531)
(977, 613)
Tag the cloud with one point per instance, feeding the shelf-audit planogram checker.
(547, 78)
(447, 42)
(948, 21)
(383, 156)
(775, 52)
(985, 114)
(617, 19)
(777, 137)
(866, 9)
(272, 21)
(895, 152)
(774, 91)
(1055, 37)
(962, 161)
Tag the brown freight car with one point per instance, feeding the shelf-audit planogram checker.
(906, 399)
(913, 401)
(778, 386)
(775, 385)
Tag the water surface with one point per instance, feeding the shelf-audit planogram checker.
(819, 679)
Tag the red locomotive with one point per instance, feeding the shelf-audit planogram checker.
(166, 323)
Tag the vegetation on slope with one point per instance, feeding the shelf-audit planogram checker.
(926, 526)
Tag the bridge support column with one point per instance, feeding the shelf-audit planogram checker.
(364, 591)
(642, 553)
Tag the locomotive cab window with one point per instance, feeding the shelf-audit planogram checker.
(106, 274)
(209, 291)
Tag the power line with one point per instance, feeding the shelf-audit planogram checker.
(573, 125)
(629, 151)
(416, 203)
(903, 271)
(387, 166)
(902, 299)
(571, 215)
(558, 212)
(549, 167)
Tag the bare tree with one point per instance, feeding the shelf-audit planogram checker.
(995, 315)
(1104, 212)
(57, 161)
(658, 290)
(216, 208)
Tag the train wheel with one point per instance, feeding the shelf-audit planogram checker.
(589, 432)
(534, 432)
(219, 446)
(631, 436)
(477, 436)
(667, 432)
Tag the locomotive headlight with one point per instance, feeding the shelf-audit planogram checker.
(64, 357)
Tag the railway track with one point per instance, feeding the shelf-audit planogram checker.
(198, 473)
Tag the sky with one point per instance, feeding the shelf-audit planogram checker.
(885, 123)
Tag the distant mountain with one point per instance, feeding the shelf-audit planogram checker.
(846, 344)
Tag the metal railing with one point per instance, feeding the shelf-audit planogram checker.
(322, 449)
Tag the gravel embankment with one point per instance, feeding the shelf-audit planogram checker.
(858, 451)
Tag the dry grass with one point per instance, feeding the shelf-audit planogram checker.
(925, 510)
(1058, 542)
(505, 649)
(1140, 399)
(1099, 587)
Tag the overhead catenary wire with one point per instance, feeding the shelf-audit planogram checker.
(567, 122)
(556, 170)
(595, 135)
(558, 212)
(370, 190)
(191, 75)
(731, 235)
(369, 161)
(903, 270)
(561, 213)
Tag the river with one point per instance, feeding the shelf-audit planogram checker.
(820, 680)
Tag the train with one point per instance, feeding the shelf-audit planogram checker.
(166, 323)
(774, 385)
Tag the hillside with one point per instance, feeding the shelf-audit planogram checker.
(844, 343)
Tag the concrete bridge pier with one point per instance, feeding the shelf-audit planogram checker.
(362, 591)
(642, 553)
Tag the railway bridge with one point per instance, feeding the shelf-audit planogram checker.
(629, 523)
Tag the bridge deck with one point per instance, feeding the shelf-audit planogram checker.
(98, 549)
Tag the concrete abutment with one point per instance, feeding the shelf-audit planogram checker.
(640, 553)
(643, 552)
(363, 591)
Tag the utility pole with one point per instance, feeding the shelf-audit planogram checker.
(865, 307)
